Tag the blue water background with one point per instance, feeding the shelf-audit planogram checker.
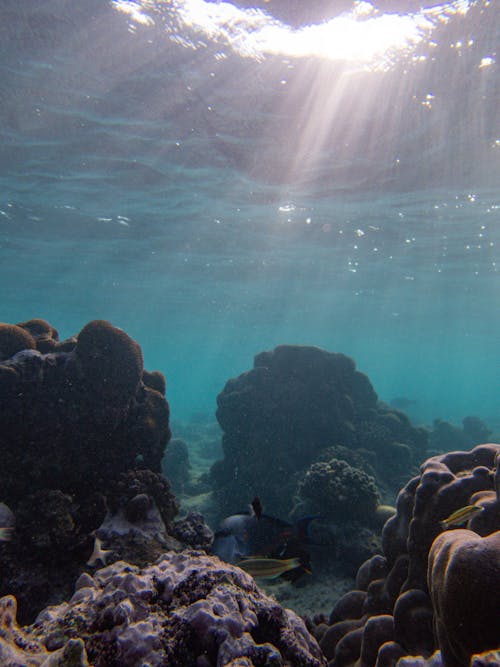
(215, 206)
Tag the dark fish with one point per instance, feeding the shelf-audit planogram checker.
(253, 533)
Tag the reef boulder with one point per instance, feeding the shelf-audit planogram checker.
(280, 416)
(82, 431)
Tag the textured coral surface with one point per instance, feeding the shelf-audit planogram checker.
(81, 431)
(392, 614)
(188, 610)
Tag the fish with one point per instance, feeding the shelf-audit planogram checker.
(6, 533)
(496, 474)
(270, 568)
(461, 516)
(7, 522)
(253, 533)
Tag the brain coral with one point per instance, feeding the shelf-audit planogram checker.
(187, 609)
(278, 417)
(395, 584)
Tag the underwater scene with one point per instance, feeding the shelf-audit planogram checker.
(249, 372)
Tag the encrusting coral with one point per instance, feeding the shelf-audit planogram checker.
(188, 609)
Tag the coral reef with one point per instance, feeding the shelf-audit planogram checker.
(19, 648)
(464, 585)
(445, 437)
(187, 609)
(193, 531)
(176, 466)
(280, 416)
(339, 492)
(81, 432)
(394, 611)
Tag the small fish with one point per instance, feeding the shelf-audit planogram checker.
(99, 554)
(496, 474)
(461, 516)
(269, 568)
(6, 533)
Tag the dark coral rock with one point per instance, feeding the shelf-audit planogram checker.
(389, 654)
(155, 380)
(279, 417)
(445, 437)
(137, 507)
(339, 491)
(72, 421)
(377, 631)
(349, 606)
(111, 361)
(65, 426)
(464, 584)
(134, 491)
(193, 531)
(335, 633)
(45, 555)
(463, 568)
(13, 339)
(413, 622)
(44, 334)
(476, 429)
(348, 648)
(186, 609)
(175, 464)
(372, 569)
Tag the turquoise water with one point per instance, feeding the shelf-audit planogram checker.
(203, 176)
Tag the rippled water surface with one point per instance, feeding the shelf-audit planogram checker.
(218, 178)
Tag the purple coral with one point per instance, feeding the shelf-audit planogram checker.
(395, 584)
(186, 609)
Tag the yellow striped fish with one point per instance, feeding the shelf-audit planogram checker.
(461, 516)
(268, 568)
(6, 533)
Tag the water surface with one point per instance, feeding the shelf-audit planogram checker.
(220, 178)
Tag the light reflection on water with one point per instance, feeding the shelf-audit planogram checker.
(362, 36)
(216, 205)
